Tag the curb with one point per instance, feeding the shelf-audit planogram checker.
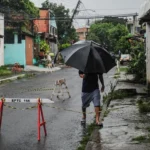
(12, 78)
(108, 101)
(94, 143)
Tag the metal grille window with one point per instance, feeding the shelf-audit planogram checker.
(9, 38)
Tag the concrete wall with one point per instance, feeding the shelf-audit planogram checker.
(1, 39)
(82, 33)
(43, 25)
(15, 53)
(148, 54)
(54, 47)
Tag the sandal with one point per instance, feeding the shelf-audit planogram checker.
(83, 121)
(99, 124)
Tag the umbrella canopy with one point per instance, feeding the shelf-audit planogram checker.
(88, 57)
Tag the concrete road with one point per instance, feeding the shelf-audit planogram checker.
(19, 128)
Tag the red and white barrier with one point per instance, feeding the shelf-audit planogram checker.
(40, 114)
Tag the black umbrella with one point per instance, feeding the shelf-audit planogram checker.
(88, 57)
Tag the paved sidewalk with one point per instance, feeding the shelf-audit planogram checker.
(38, 69)
(29, 69)
(122, 124)
(13, 77)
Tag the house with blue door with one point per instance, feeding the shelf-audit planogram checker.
(18, 48)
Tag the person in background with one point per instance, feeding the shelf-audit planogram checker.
(91, 93)
(49, 62)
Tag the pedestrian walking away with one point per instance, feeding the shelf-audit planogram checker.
(91, 93)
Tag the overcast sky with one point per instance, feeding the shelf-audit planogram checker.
(101, 7)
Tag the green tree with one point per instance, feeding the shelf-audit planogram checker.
(108, 35)
(21, 5)
(93, 37)
(123, 45)
(100, 32)
(113, 20)
(115, 36)
(65, 33)
(138, 64)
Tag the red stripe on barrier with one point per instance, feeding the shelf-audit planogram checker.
(1, 112)
(40, 115)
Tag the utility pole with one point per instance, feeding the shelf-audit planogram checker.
(87, 28)
(74, 13)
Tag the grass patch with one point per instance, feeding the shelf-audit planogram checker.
(148, 129)
(124, 69)
(120, 94)
(86, 138)
(117, 74)
(5, 72)
(106, 113)
(144, 107)
(29, 75)
(140, 138)
(5, 81)
(137, 128)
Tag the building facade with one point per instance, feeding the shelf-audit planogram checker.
(82, 33)
(19, 49)
(1, 39)
(145, 19)
(47, 29)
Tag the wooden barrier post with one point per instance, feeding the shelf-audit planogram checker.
(40, 114)
(1, 111)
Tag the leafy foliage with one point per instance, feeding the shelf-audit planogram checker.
(21, 5)
(4, 71)
(65, 33)
(100, 32)
(44, 46)
(108, 35)
(123, 45)
(115, 34)
(113, 20)
(138, 64)
(63, 46)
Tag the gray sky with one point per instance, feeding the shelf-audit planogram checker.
(102, 7)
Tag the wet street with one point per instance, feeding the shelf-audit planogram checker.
(19, 127)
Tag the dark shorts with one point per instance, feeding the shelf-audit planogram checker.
(94, 97)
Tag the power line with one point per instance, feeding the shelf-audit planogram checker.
(119, 9)
(78, 17)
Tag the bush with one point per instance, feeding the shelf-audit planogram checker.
(5, 71)
(63, 46)
(138, 65)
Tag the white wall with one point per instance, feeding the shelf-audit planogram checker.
(1, 39)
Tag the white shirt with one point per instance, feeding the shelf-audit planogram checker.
(49, 58)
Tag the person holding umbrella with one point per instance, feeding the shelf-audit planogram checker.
(92, 60)
(91, 93)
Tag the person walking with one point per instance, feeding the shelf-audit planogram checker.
(91, 93)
